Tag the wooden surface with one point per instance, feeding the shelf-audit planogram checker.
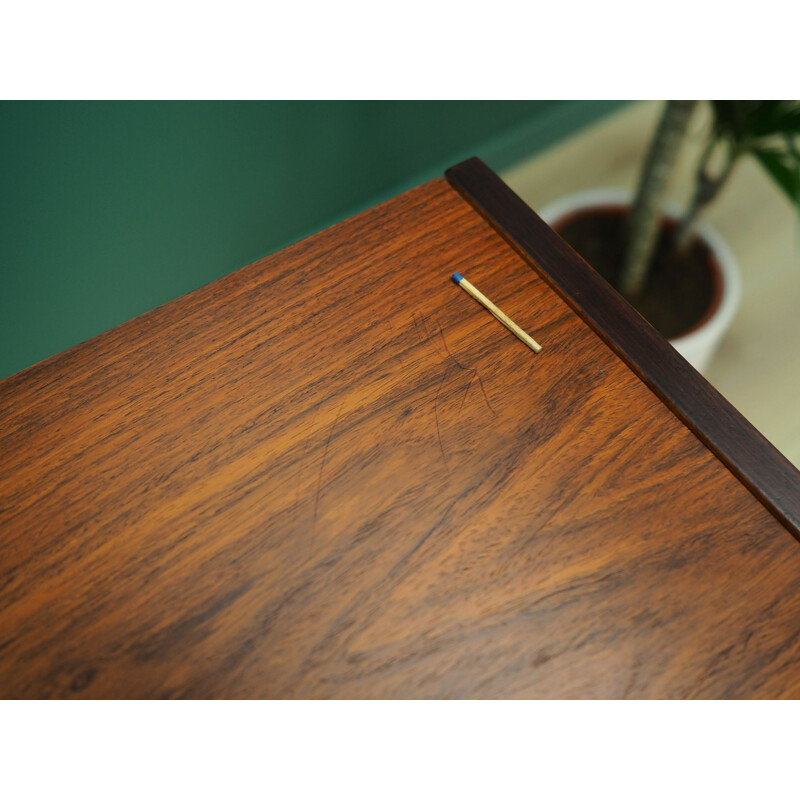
(757, 366)
(762, 468)
(333, 474)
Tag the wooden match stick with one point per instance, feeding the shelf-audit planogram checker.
(498, 314)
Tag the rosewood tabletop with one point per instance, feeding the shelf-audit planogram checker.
(333, 474)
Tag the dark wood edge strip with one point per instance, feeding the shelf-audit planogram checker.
(766, 472)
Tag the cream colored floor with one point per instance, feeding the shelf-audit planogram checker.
(758, 364)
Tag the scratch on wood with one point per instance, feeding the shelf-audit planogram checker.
(322, 468)
(457, 363)
(422, 328)
(473, 370)
(466, 392)
(436, 416)
(485, 396)
(432, 339)
(427, 336)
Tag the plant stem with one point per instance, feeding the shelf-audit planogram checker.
(643, 222)
(706, 188)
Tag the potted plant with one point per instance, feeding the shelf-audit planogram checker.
(675, 270)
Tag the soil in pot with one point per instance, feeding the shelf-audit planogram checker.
(683, 288)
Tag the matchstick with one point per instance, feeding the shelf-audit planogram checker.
(498, 314)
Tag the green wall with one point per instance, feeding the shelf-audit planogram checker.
(112, 208)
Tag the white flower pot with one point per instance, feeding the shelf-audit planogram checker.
(700, 342)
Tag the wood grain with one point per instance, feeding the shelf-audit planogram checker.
(333, 474)
(771, 477)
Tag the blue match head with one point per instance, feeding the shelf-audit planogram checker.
(458, 277)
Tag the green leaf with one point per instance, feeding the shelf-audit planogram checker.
(772, 117)
(747, 120)
(784, 168)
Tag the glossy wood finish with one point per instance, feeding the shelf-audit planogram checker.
(333, 474)
(771, 477)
